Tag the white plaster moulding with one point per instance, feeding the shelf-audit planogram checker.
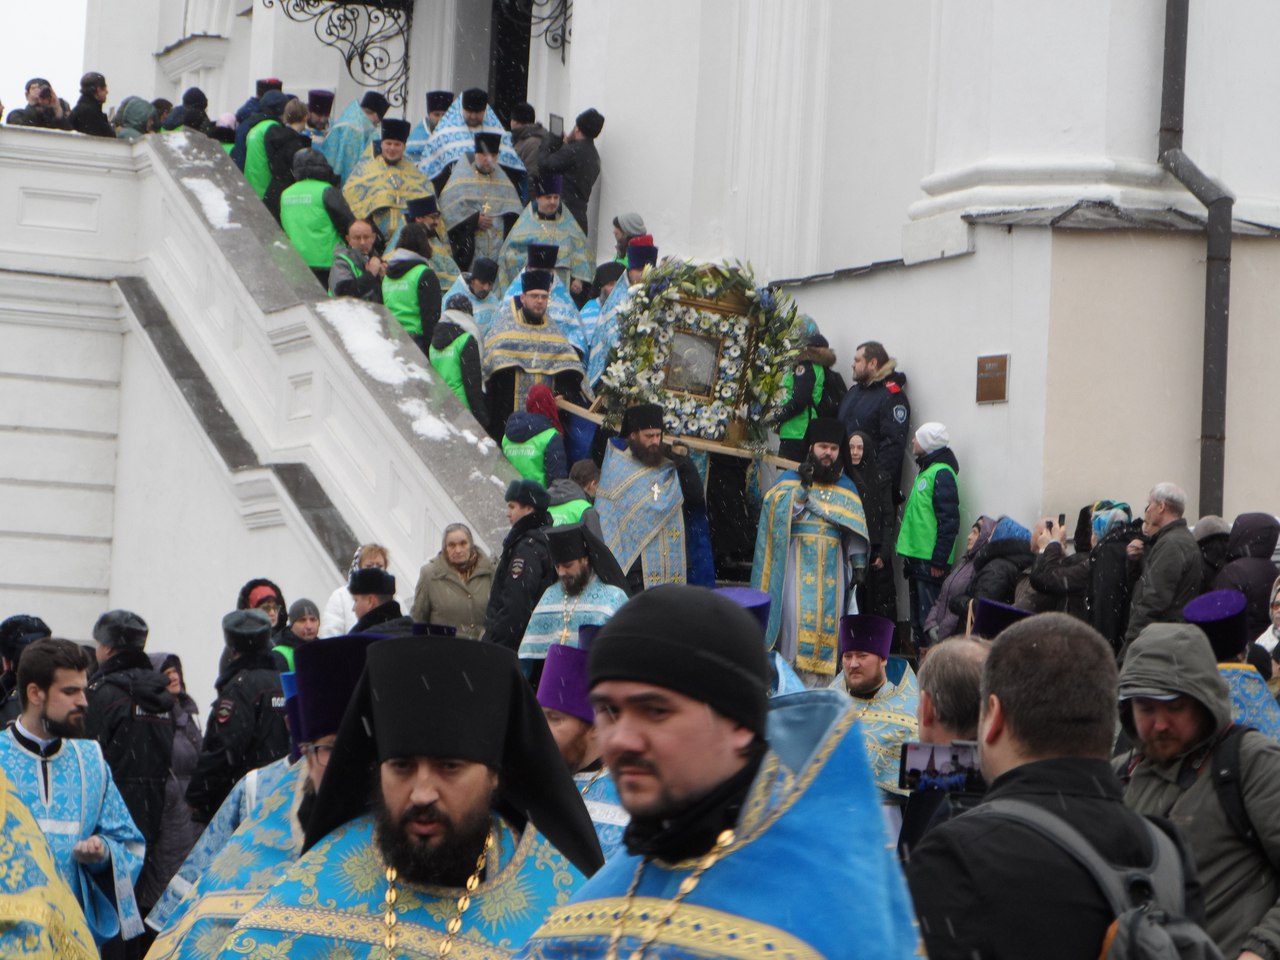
(259, 498)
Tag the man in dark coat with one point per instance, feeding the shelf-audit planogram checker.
(246, 728)
(1249, 568)
(1171, 566)
(87, 115)
(130, 714)
(577, 162)
(373, 592)
(985, 886)
(44, 108)
(877, 404)
(190, 113)
(525, 569)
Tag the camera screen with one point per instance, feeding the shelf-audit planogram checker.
(946, 767)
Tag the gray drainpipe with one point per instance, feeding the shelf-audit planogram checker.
(1217, 286)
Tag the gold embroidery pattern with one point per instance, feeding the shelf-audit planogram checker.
(692, 927)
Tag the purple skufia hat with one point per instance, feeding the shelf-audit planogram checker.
(755, 602)
(991, 617)
(326, 673)
(563, 685)
(1222, 615)
(867, 633)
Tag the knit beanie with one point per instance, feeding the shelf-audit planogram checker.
(932, 437)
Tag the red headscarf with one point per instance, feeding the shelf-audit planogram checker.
(542, 400)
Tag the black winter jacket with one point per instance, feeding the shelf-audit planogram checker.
(387, 620)
(130, 714)
(246, 730)
(882, 409)
(1111, 579)
(1060, 581)
(1000, 891)
(524, 571)
(88, 117)
(1249, 568)
(996, 571)
(578, 163)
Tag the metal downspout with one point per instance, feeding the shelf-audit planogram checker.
(1217, 287)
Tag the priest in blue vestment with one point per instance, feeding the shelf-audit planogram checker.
(641, 254)
(66, 784)
(256, 854)
(754, 826)
(1223, 616)
(446, 823)
(477, 285)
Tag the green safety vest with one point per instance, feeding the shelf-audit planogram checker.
(256, 170)
(307, 224)
(227, 147)
(527, 456)
(798, 426)
(566, 513)
(400, 296)
(287, 653)
(919, 533)
(448, 363)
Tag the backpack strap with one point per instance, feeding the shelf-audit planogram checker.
(1163, 876)
(1228, 783)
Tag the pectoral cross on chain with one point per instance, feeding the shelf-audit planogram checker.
(656, 490)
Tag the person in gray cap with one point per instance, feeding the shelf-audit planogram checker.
(304, 626)
(1217, 780)
(246, 726)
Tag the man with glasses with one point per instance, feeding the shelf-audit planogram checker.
(228, 873)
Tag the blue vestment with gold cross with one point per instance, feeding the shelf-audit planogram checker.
(888, 720)
(250, 862)
(452, 140)
(572, 259)
(330, 903)
(560, 308)
(802, 561)
(776, 892)
(642, 516)
(79, 800)
(537, 351)
(379, 192)
(470, 191)
(39, 916)
(1252, 704)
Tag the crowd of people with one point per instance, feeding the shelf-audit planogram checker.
(591, 744)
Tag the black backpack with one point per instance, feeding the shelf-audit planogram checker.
(1149, 903)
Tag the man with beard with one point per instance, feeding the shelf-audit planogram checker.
(725, 791)
(524, 347)
(566, 703)
(479, 203)
(379, 189)
(228, 872)
(652, 505)
(811, 540)
(524, 569)
(547, 221)
(468, 832)
(454, 137)
(477, 285)
(589, 591)
(246, 726)
(1176, 705)
(885, 698)
(68, 784)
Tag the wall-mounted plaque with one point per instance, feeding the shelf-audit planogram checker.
(993, 379)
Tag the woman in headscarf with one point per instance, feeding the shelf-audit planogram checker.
(942, 622)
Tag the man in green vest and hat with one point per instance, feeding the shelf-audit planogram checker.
(256, 169)
(457, 354)
(313, 212)
(930, 523)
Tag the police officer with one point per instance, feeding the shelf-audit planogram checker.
(130, 714)
(525, 569)
(246, 726)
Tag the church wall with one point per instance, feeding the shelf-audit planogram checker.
(936, 319)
